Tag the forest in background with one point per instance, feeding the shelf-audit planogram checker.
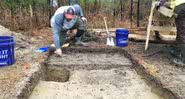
(30, 14)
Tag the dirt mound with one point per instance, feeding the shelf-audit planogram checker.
(4, 31)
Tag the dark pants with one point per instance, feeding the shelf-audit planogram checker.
(180, 24)
(79, 25)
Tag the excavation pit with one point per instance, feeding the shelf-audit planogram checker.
(91, 73)
(57, 74)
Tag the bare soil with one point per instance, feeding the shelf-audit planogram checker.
(155, 62)
(160, 66)
(95, 73)
(13, 78)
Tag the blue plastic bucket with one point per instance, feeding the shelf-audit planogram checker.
(122, 37)
(6, 50)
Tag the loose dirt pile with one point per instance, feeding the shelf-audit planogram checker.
(13, 78)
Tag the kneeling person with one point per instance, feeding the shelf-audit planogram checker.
(67, 18)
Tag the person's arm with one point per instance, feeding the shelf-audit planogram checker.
(78, 10)
(59, 21)
(162, 2)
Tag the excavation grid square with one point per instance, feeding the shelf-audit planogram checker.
(80, 59)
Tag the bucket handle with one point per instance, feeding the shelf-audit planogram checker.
(12, 34)
(11, 45)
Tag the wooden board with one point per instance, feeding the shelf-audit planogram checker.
(138, 37)
(165, 11)
(114, 29)
(163, 28)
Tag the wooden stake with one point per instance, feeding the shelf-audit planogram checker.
(31, 10)
(149, 24)
(31, 19)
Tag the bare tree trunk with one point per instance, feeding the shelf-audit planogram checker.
(49, 7)
(86, 8)
(71, 2)
(99, 7)
(95, 7)
(114, 10)
(131, 12)
(61, 2)
(138, 13)
(50, 10)
(114, 13)
(31, 11)
(121, 4)
(31, 20)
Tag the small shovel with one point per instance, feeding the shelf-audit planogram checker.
(63, 46)
(110, 40)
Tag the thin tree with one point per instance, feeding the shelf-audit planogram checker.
(95, 6)
(131, 11)
(138, 13)
(122, 10)
(71, 2)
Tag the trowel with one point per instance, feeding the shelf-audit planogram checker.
(63, 46)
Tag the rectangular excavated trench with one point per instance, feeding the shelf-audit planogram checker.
(93, 74)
